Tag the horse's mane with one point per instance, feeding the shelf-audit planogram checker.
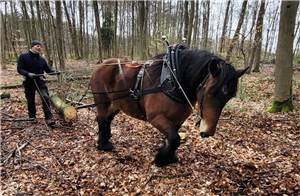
(194, 68)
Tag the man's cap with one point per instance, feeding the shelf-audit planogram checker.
(36, 42)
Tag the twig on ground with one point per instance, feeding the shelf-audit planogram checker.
(13, 152)
(17, 119)
(153, 176)
(11, 116)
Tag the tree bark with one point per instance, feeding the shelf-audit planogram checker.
(68, 112)
(33, 31)
(186, 19)
(115, 28)
(196, 24)
(258, 37)
(143, 12)
(284, 57)
(72, 30)
(206, 13)
(26, 23)
(81, 27)
(41, 25)
(191, 21)
(97, 21)
(224, 29)
(237, 31)
(59, 34)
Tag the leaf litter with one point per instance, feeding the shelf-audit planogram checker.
(252, 152)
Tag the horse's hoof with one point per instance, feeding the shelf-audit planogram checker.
(163, 161)
(204, 135)
(106, 147)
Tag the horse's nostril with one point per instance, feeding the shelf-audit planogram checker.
(204, 135)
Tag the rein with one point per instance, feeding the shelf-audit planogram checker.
(199, 88)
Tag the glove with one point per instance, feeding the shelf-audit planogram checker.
(32, 75)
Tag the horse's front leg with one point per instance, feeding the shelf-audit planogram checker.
(166, 154)
(104, 135)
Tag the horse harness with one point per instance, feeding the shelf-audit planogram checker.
(169, 74)
(170, 79)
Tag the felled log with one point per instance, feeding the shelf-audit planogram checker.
(5, 95)
(67, 111)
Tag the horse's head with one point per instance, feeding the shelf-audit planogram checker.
(218, 88)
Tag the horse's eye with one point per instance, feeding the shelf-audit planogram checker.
(225, 89)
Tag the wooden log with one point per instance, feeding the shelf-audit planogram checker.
(5, 95)
(67, 111)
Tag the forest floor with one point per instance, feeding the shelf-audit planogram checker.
(252, 152)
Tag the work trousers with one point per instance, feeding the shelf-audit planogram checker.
(30, 88)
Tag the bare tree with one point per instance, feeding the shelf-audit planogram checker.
(284, 58)
(26, 23)
(205, 26)
(72, 30)
(41, 26)
(191, 21)
(59, 34)
(186, 19)
(258, 37)
(97, 21)
(237, 31)
(81, 26)
(224, 29)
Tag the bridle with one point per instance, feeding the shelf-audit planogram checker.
(200, 88)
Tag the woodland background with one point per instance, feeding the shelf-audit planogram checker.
(91, 29)
(252, 152)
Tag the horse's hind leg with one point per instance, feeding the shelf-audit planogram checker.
(104, 118)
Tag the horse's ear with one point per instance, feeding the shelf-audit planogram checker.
(241, 72)
(214, 69)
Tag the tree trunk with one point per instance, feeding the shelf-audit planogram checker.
(97, 21)
(143, 12)
(186, 19)
(237, 31)
(72, 30)
(68, 112)
(269, 30)
(252, 48)
(132, 30)
(258, 37)
(41, 25)
(33, 31)
(115, 28)
(81, 27)
(224, 29)
(284, 58)
(59, 34)
(191, 21)
(26, 23)
(196, 24)
(206, 13)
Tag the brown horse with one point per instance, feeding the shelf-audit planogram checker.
(206, 79)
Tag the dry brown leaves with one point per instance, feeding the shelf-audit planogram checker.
(253, 152)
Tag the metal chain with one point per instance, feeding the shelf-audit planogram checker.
(39, 90)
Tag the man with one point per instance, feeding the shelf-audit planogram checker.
(32, 65)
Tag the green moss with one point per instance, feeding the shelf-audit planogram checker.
(285, 106)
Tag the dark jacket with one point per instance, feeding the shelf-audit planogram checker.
(32, 63)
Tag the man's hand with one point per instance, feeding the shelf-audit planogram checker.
(32, 75)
